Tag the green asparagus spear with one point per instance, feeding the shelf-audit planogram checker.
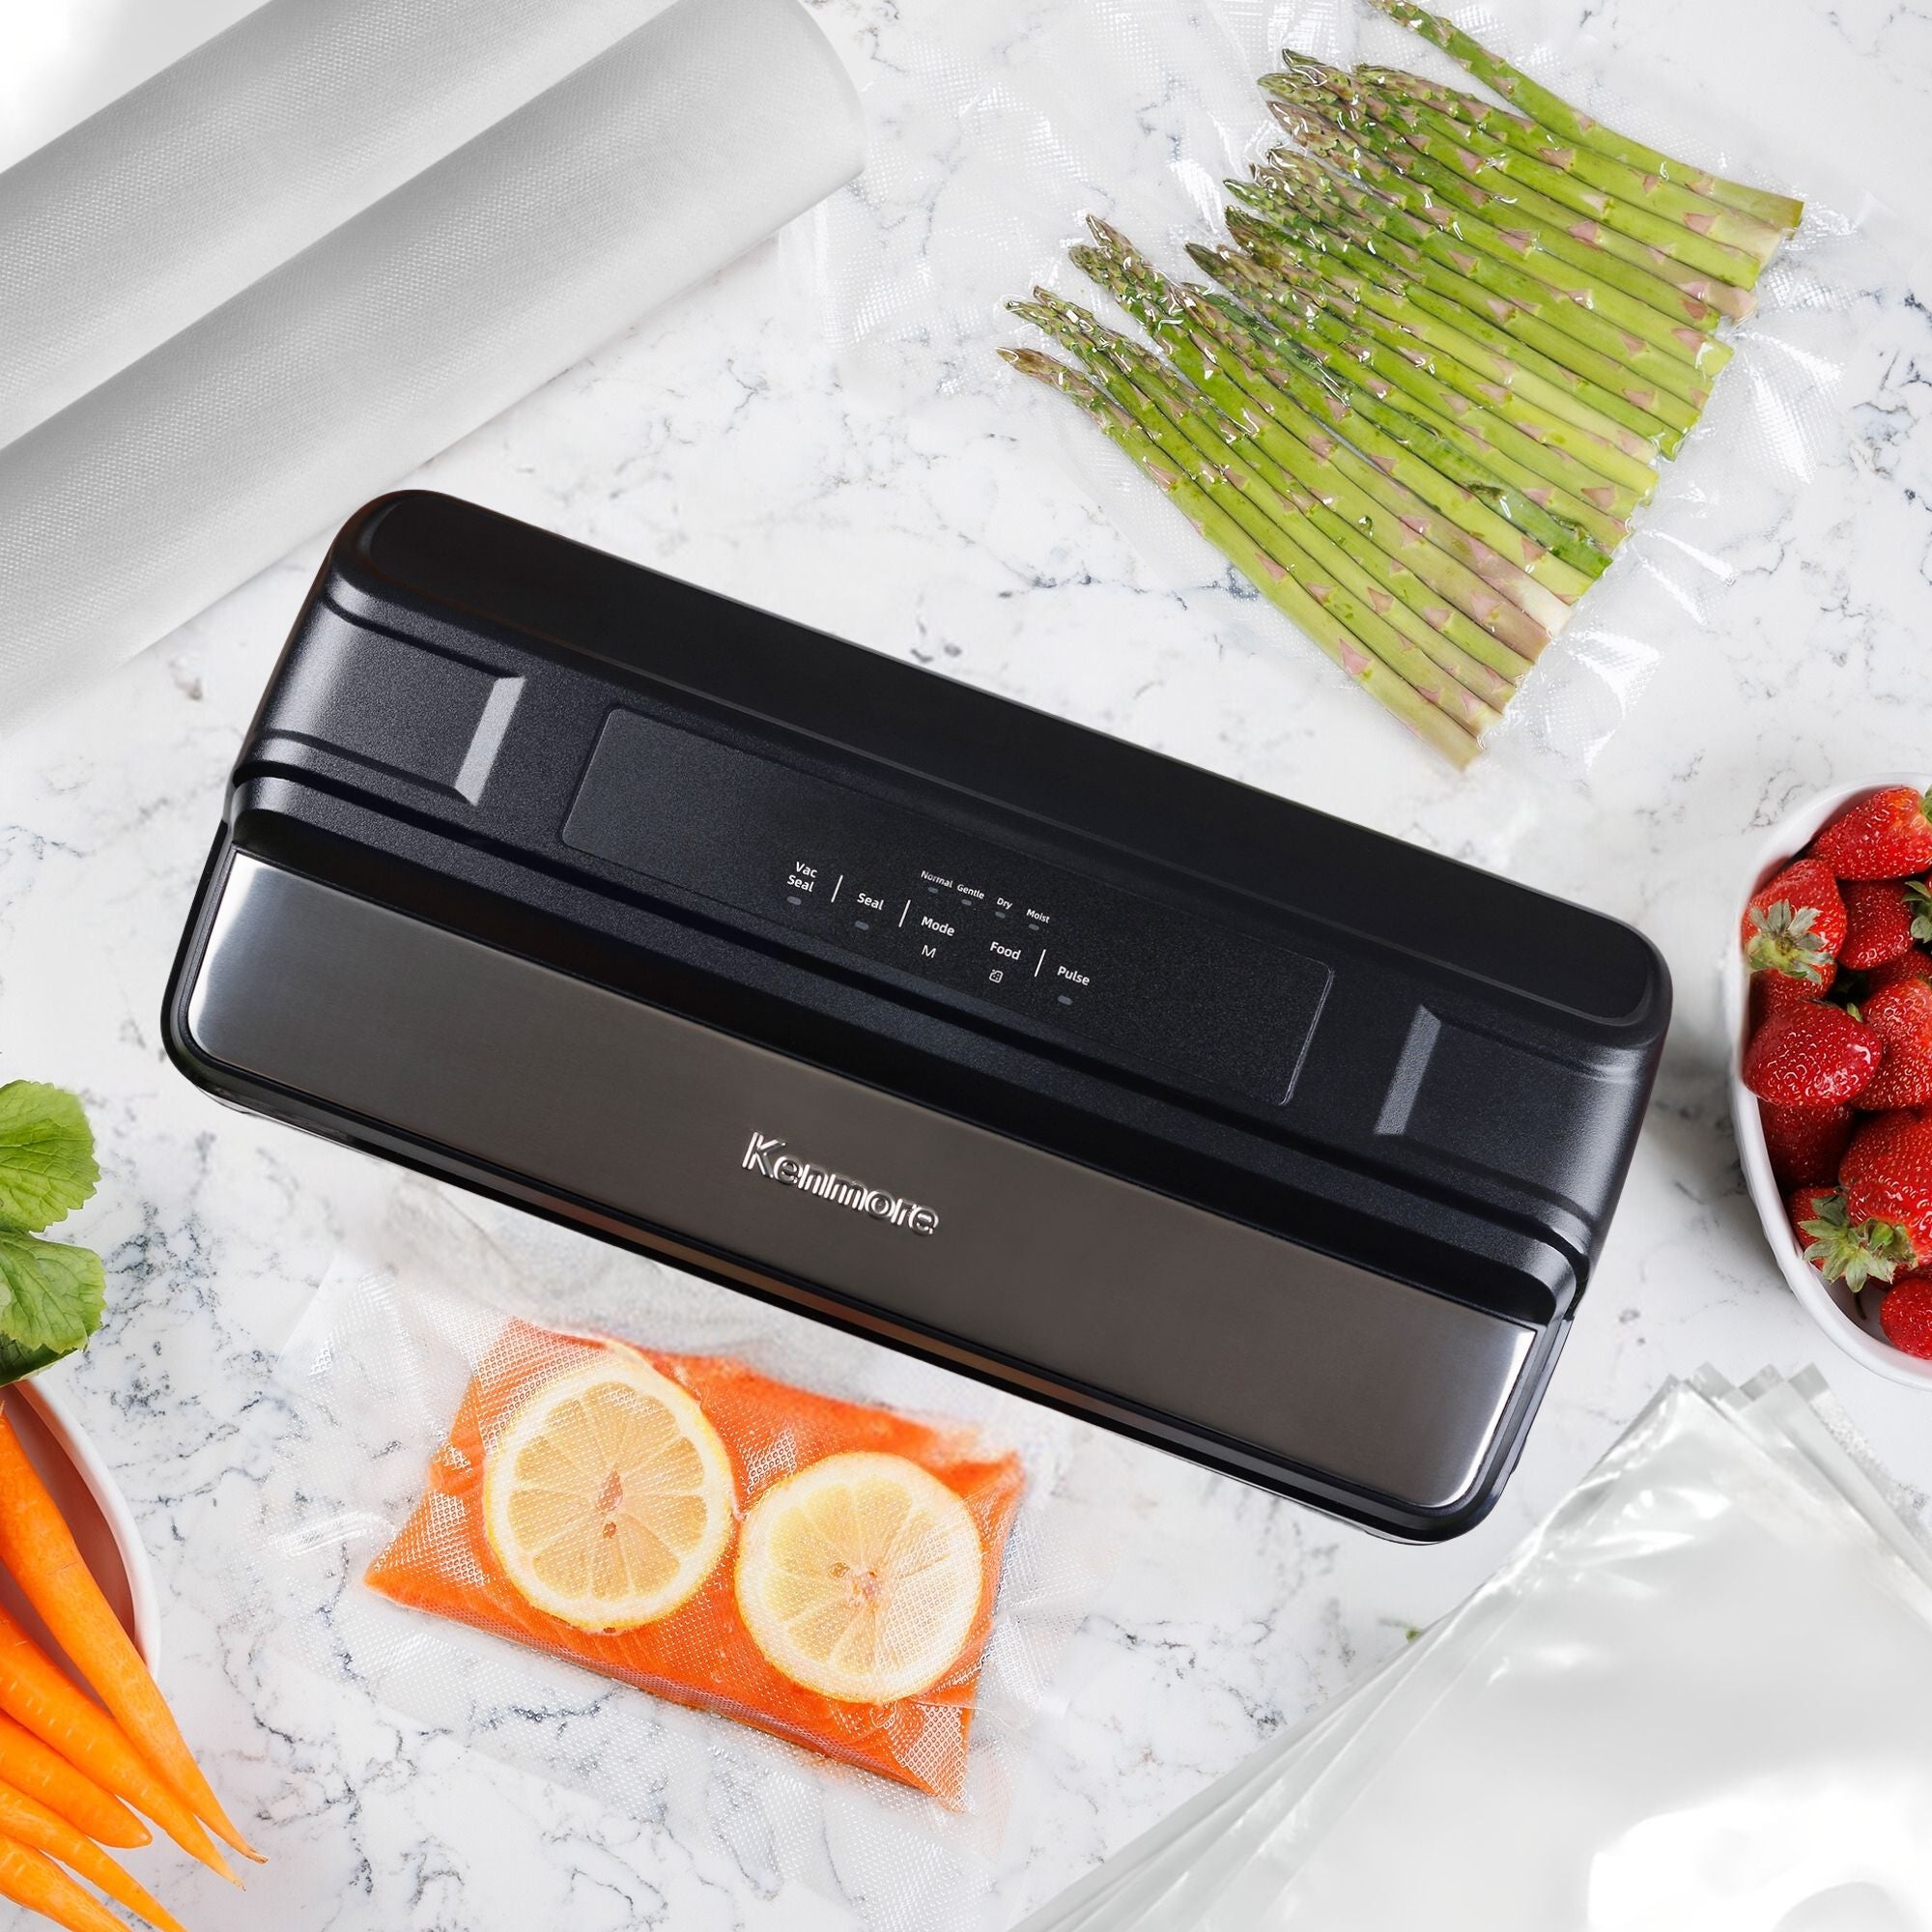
(1550, 475)
(1659, 310)
(1621, 362)
(1407, 211)
(1477, 501)
(1441, 362)
(1490, 162)
(1487, 438)
(1666, 198)
(1660, 419)
(1330, 635)
(1465, 462)
(1571, 124)
(1375, 619)
(1541, 585)
(1478, 662)
(1624, 480)
(1463, 646)
(1686, 293)
(1515, 370)
(1329, 472)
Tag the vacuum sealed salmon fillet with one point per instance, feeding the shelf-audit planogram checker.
(824, 1570)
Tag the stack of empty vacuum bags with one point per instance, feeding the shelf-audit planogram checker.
(1698, 1699)
(331, 241)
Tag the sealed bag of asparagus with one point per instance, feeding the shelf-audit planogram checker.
(1477, 351)
(1432, 369)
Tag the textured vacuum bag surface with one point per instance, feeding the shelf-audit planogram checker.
(1160, 1879)
(427, 311)
(1703, 1702)
(1695, 1700)
(390, 1349)
(186, 190)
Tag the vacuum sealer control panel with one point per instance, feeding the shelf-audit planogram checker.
(896, 889)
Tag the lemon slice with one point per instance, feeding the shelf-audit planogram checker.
(609, 1497)
(860, 1577)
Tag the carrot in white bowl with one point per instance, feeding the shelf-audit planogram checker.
(73, 1774)
(39, 1549)
(42, 1774)
(39, 1830)
(39, 1696)
(32, 1880)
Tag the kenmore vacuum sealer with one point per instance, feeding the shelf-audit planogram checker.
(1249, 1132)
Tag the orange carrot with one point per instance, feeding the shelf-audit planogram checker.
(37, 1546)
(37, 1828)
(29, 1766)
(31, 1879)
(35, 1694)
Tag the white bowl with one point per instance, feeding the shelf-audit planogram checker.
(1851, 1320)
(95, 1512)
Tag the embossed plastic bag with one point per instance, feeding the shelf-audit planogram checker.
(260, 288)
(824, 1570)
(1699, 1698)
(1138, 113)
(696, 1617)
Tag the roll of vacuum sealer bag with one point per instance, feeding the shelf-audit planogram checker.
(417, 252)
(196, 184)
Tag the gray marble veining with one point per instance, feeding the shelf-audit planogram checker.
(733, 439)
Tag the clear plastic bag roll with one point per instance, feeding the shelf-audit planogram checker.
(455, 295)
(179, 195)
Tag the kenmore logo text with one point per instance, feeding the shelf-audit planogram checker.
(766, 1155)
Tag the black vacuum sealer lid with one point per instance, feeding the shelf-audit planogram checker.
(1241, 1128)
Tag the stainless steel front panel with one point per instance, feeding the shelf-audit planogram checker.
(1029, 1257)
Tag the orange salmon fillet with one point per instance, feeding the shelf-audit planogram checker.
(702, 1654)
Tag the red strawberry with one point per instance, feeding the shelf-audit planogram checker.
(1883, 917)
(1808, 1054)
(1901, 1016)
(1806, 1144)
(1886, 836)
(1914, 965)
(1906, 1315)
(1791, 930)
(1886, 1176)
(1842, 1249)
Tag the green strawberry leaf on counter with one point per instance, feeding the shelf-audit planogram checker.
(46, 1156)
(51, 1293)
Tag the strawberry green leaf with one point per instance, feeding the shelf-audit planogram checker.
(52, 1293)
(1855, 1253)
(1782, 941)
(1918, 904)
(46, 1156)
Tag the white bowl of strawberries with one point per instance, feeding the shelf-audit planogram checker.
(1830, 998)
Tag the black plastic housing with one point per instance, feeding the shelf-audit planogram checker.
(1237, 1127)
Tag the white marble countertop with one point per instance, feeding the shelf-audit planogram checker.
(726, 439)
